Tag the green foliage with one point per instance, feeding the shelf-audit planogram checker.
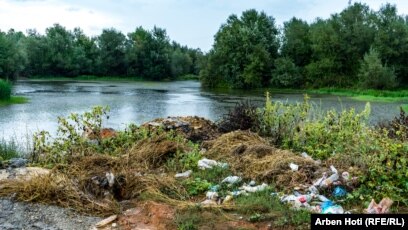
(70, 142)
(244, 51)
(262, 206)
(334, 133)
(8, 149)
(5, 90)
(374, 75)
(286, 73)
(196, 186)
(281, 121)
(398, 127)
(184, 161)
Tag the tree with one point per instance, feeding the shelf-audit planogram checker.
(286, 73)
(373, 74)
(391, 40)
(243, 52)
(296, 43)
(112, 49)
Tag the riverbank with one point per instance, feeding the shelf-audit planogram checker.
(14, 100)
(189, 173)
(107, 78)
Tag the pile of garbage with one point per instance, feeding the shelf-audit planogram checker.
(312, 199)
(193, 128)
(250, 156)
(340, 184)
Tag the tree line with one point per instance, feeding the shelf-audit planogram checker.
(60, 52)
(357, 47)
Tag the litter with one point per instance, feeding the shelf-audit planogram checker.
(106, 221)
(328, 207)
(305, 155)
(252, 183)
(345, 176)
(214, 188)
(329, 181)
(380, 208)
(339, 192)
(257, 188)
(228, 199)
(294, 167)
(209, 164)
(211, 195)
(232, 180)
(111, 178)
(184, 174)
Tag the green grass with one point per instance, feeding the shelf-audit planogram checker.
(366, 94)
(262, 206)
(8, 150)
(405, 107)
(14, 100)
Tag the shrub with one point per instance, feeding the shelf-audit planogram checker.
(398, 127)
(280, 121)
(5, 90)
(243, 116)
(335, 132)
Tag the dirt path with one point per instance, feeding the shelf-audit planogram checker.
(18, 215)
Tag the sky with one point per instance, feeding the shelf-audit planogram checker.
(189, 22)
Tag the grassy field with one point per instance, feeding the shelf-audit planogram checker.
(366, 94)
(14, 100)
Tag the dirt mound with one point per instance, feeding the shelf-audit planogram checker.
(193, 128)
(153, 152)
(250, 155)
(149, 215)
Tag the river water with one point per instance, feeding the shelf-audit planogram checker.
(138, 102)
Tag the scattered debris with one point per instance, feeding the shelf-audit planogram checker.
(380, 208)
(184, 174)
(294, 167)
(193, 128)
(209, 164)
(232, 180)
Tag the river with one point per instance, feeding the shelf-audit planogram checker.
(138, 102)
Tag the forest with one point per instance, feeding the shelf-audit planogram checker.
(356, 48)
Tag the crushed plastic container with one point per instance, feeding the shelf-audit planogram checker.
(184, 174)
(209, 164)
(211, 195)
(214, 188)
(329, 181)
(232, 180)
(294, 167)
(257, 188)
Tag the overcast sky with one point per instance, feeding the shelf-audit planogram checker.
(189, 22)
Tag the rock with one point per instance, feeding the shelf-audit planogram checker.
(17, 162)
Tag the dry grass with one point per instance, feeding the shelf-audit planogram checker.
(249, 154)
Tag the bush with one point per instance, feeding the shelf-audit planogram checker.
(242, 117)
(397, 128)
(335, 132)
(280, 121)
(5, 90)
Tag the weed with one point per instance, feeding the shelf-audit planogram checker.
(5, 90)
(242, 117)
(8, 149)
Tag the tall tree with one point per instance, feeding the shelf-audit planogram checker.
(112, 48)
(243, 52)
